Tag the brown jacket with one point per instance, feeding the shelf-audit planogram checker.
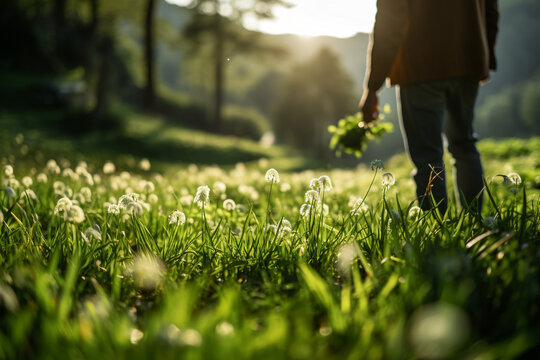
(422, 40)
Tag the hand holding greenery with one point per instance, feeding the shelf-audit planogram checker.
(352, 135)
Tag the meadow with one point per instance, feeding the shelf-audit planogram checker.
(101, 259)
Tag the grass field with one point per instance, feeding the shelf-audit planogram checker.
(117, 260)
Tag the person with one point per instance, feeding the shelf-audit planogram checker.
(437, 53)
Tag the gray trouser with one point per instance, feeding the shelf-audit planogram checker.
(423, 109)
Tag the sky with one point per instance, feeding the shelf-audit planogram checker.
(338, 18)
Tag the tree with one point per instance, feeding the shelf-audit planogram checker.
(149, 52)
(220, 23)
(313, 96)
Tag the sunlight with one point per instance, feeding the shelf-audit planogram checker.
(342, 18)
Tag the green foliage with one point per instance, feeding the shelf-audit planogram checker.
(365, 279)
(352, 135)
(246, 123)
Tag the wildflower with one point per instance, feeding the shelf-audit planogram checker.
(186, 200)
(191, 337)
(62, 205)
(127, 199)
(52, 167)
(325, 210)
(153, 199)
(147, 271)
(135, 336)
(86, 193)
(146, 186)
(42, 178)
(8, 170)
(285, 187)
(229, 205)
(314, 183)
(272, 176)
(75, 214)
(305, 210)
(219, 187)
(113, 209)
(325, 183)
(388, 180)
(311, 196)
(109, 168)
(377, 165)
(359, 207)
(29, 194)
(27, 181)
(177, 218)
(134, 208)
(145, 164)
(515, 178)
(224, 328)
(202, 196)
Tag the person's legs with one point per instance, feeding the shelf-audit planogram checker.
(422, 113)
(468, 175)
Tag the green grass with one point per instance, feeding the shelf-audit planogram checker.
(244, 283)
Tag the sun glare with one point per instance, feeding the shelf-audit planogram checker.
(338, 18)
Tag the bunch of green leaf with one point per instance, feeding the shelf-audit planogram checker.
(352, 135)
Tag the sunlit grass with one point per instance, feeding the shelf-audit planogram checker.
(261, 264)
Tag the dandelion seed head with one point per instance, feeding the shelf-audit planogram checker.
(147, 271)
(311, 196)
(325, 183)
(377, 165)
(284, 187)
(8, 170)
(219, 187)
(229, 204)
(144, 164)
(42, 178)
(314, 184)
(52, 167)
(359, 207)
(93, 233)
(224, 328)
(153, 199)
(134, 208)
(388, 180)
(305, 210)
(109, 168)
(113, 209)
(514, 178)
(272, 176)
(27, 181)
(202, 196)
(135, 336)
(177, 218)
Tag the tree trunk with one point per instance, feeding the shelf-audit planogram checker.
(219, 76)
(94, 16)
(149, 93)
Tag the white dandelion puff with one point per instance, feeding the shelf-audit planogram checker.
(305, 210)
(314, 184)
(202, 196)
(388, 180)
(229, 205)
(272, 176)
(311, 196)
(177, 218)
(113, 209)
(325, 183)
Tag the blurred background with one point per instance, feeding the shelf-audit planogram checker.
(219, 81)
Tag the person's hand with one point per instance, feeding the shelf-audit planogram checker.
(369, 106)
